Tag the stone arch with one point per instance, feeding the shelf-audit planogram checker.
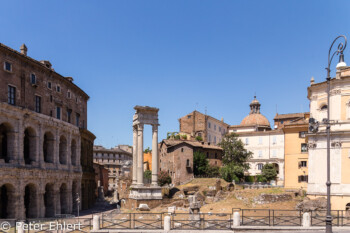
(74, 152)
(75, 195)
(7, 201)
(63, 150)
(7, 140)
(64, 198)
(49, 200)
(48, 147)
(277, 167)
(30, 201)
(29, 145)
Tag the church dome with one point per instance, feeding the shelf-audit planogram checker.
(255, 118)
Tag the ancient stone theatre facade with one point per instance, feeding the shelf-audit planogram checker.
(45, 148)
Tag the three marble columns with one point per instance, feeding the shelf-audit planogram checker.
(137, 175)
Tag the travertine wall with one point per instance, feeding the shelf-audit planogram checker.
(59, 181)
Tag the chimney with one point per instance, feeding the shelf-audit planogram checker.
(24, 49)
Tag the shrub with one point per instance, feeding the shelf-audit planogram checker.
(184, 137)
(213, 171)
(147, 174)
(177, 136)
(232, 172)
(163, 178)
(199, 138)
(249, 179)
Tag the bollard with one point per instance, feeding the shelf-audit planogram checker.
(306, 220)
(236, 219)
(96, 223)
(167, 223)
(20, 227)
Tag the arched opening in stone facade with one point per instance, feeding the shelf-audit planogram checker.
(74, 152)
(6, 142)
(30, 201)
(277, 168)
(29, 145)
(48, 147)
(64, 199)
(75, 190)
(49, 200)
(7, 207)
(63, 150)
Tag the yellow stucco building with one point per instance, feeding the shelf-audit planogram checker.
(295, 150)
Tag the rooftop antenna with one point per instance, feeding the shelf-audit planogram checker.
(276, 109)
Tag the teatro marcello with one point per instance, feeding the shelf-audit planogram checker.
(46, 151)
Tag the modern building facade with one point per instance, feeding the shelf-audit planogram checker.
(339, 140)
(295, 128)
(117, 161)
(198, 124)
(43, 130)
(266, 145)
(176, 158)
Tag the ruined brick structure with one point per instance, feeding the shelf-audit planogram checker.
(208, 128)
(45, 148)
(176, 158)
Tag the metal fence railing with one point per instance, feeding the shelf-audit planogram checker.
(132, 221)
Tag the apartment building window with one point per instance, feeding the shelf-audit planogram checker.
(8, 66)
(274, 140)
(247, 141)
(209, 125)
(38, 104)
(11, 95)
(58, 113)
(215, 139)
(260, 153)
(187, 163)
(214, 127)
(302, 134)
(207, 154)
(302, 164)
(216, 155)
(58, 88)
(182, 149)
(49, 85)
(189, 117)
(260, 166)
(77, 119)
(33, 79)
(51, 99)
(303, 179)
(69, 115)
(304, 147)
(274, 153)
(68, 94)
(260, 140)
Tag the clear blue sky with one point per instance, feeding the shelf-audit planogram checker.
(179, 55)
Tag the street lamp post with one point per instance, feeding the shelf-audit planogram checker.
(340, 49)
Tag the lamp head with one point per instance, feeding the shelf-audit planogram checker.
(341, 61)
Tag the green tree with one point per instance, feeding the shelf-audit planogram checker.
(200, 163)
(234, 151)
(163, 178)
(199, 138)
(147, 174)
(269, 172)
(147, 150)
(232, 172)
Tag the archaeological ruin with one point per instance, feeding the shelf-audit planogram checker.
(45, 148)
